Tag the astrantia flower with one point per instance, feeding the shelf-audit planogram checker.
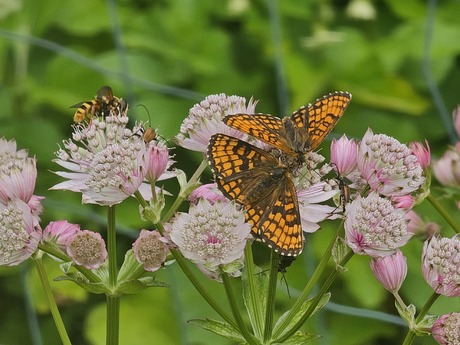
(374, 227)
(158, 162)
(209, 192)
(422, 153)
(388, 166)
(311, 211)
(87, 249)
(211, 234)
(441, 265)
(446, 330)
(59, 232)
(19, 233)
(150, 250)
(447, 168)
(344, 155)
(106, 160)
(390, 270)
(205, 119)
(18, 174)
(417, 226)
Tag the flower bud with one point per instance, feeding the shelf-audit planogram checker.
(390, 270)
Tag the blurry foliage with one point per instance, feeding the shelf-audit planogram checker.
(168, 55)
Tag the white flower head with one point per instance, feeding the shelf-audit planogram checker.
(106, 160)
(211, 234)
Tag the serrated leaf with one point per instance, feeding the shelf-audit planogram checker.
(136, 285)
(81, 280)
(220, 328)
(299, 338)
(295, 318)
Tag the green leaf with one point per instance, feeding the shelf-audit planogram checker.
(219, 327)
(339, 251)
(136, 285)
(80, 279)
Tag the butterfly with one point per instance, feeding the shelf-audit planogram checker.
(263, 183)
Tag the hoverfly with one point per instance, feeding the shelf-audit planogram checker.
(101, 105)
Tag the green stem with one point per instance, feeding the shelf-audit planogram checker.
(185, 190)
(410, 336)
(308, 288)
(443, 213)
(113, 301)
(201, 290)
(112, 247)
(235, 311)
(253, 291)
(312, 307)
(52, 303)
(113, 319)
(271, 297)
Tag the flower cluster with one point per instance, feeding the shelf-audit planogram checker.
(20, 230)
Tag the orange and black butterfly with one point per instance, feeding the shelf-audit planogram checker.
(101, 105)
(261, 182)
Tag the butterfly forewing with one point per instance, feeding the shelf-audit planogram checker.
(264, 127)
(320, 117)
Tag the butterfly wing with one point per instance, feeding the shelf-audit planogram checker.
(264, 127)
(254, 178)
(320, 117)
(277, 219)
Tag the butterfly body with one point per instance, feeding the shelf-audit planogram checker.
(262, 181)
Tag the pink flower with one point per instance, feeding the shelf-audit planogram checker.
(446, 330)
(107, 162)
(150, 250)
(404, 201)
(158, 161)
(19, 232)
(59, 232)
(422, 153)
(441, 265)
(211, 234)
(374, 227)
(344, 155)
(390, 270)
(208, 192)
(87, 249)
(311, 211)
(388, 166)
(417, 226)
(205, 119)
(18, 174)
(447, 168)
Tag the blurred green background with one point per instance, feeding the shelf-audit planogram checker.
(399, 59)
